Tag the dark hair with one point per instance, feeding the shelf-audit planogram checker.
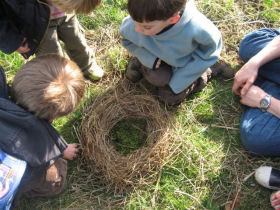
(150, 10)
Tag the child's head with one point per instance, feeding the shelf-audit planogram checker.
(49, 86)
(151, 16)
(77, 6)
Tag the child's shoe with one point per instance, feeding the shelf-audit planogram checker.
(268, 177)
(133, 70)
(202, 81)
(95, 72)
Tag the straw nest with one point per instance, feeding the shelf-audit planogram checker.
(123, 102)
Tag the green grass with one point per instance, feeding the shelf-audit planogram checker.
(129, 135)
(210, 166)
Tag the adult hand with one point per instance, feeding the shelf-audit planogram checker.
(23, 48)
(253, 96)
(245, 78)
(71, 152)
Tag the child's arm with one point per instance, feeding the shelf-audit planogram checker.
(144, 56)
(71, 151)
(127, 31)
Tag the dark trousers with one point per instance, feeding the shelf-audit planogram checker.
(43, 182)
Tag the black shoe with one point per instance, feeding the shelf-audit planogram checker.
(133, 70)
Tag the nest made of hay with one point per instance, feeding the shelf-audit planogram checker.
(122, 102)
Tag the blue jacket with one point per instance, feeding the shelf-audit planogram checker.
(191, 46)
(23, 18)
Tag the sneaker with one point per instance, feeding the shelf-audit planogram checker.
(268, 177)
(94, 72)
(202, 81)
(133, 70)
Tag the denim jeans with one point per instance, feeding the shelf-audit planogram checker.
(260, 131)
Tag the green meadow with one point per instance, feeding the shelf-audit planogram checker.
(210, 169)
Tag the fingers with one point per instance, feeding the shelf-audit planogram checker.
(246, 87)
(236, 88)
(23, 49)
(275, 200)
(158, 63)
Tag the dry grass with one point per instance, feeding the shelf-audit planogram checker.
(125, 101)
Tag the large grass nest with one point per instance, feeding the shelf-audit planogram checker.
(126, 101)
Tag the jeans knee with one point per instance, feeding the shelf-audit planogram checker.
(260, 143)
(253, 42)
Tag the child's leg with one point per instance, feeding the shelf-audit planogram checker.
(253, 43)
(50, 43)
(50, 182)
(159, 77)
(3, 84)
(72, 34)
(167, 96)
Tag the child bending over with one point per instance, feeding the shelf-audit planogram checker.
(44, 89)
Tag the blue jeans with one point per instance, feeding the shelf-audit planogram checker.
(260, 131)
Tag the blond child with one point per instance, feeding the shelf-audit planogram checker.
(44, 89)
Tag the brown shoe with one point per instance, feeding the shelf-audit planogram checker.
(133, 70)
(202, 81)
(168, 97)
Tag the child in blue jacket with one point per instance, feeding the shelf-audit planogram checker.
(174, 45)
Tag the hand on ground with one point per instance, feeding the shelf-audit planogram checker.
(71, 152)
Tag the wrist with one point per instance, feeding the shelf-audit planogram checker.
(254, 61)
(265, 102)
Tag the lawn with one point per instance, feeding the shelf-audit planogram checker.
(210, 169)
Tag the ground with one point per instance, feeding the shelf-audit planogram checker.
(210, 169)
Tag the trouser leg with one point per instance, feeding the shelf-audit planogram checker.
(50, 43)
(51, 182)
(260, 131)
(159, 77)
(167, 96)
(72, 34)
(255, 42)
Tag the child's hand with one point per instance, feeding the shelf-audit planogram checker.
(71, 152)
(24, 47)
(158, 63)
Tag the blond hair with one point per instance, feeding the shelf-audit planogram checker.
(77, 6)
(49, 86)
